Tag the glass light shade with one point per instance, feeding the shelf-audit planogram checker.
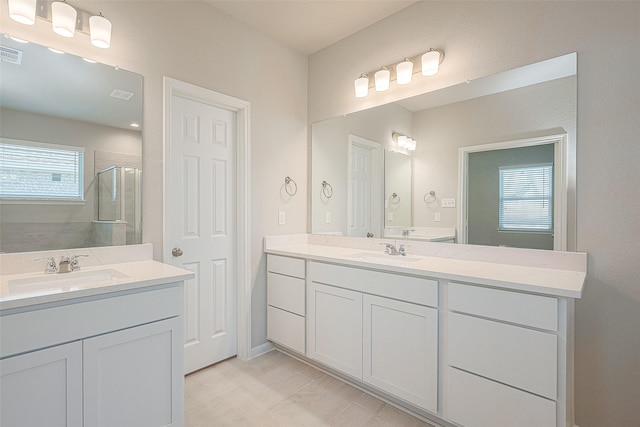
(23, 11)
(382, 79)
(402, 141)
(63, 18)
(430, 63)
(411, 144)
(362, 86)
(404, 72)
(100, 30)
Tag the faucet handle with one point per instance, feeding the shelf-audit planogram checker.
(387, 248)
(75, 264)
(50, 268)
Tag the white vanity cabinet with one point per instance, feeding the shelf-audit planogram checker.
(361, 322)
(286, 301)
(503, 356)
(109, 360)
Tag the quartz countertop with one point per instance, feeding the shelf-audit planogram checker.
(18, 291)
(561, 274)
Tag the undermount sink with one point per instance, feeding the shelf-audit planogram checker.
(74, 278)
(385, 258)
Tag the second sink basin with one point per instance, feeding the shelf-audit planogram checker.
(385, 258)
(75, 278)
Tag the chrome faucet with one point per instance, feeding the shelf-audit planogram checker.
(75, 263)
(63, 265)
(391, 249)
(50, 268)
(407, 231)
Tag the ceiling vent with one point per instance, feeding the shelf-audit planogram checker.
(11, 55)
(121, 94)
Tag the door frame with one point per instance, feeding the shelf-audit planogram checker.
(560, 183)
(377, 167)
(173, 87)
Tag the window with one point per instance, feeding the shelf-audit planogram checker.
(526, 198)
(39, 171)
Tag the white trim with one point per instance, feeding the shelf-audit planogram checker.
(560, 187)
(377, 186)
(243, 191)
(262, 349)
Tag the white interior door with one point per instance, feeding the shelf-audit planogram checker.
(364, 204)
(201, 225)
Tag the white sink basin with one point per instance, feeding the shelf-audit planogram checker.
(385, 258)
(59, 280)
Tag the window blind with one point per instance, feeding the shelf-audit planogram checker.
(36, 171)
(526, 198)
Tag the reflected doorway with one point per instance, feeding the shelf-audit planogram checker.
(365, 187)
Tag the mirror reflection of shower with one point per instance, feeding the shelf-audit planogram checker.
(119, 200)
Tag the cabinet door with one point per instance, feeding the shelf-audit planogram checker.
(334, 328)
(401, 349)
(42, 388)
(134, 377)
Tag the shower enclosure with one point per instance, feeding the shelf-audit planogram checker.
(119, 199)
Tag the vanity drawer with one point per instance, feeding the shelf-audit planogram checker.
(416, 290)
(472, 401)
(286, 328)
(285, 265)
(520, 357)
(524, 309)
(286, 292)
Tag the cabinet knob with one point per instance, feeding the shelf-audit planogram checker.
(176, 252)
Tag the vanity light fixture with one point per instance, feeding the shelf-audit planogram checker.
(402, 72)
(404, 141)
(64, 18)
(382, 78)
(23, 11)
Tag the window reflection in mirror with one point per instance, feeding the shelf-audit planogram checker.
(54, 101)
(534, 101)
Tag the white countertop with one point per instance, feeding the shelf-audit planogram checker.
(16, 292)
(533, 276)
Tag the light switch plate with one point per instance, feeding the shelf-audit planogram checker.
(327, 218)
(390, 216)
(449, 203)
(437, 217)
(281, 218)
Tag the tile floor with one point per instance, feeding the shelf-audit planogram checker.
(277, 390)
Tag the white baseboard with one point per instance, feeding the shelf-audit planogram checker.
(260, 350)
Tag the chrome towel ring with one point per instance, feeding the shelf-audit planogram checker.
(287, 181)
(430, 197)
(327, 189)
(395, 197)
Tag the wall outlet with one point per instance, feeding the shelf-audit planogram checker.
(390, 216)
(449, 203)
(437, 217)
(281, 218)
(327, 218)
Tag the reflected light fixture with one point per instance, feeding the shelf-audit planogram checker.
(23, 11)
(404, 72)
(63, 18)
(430, 62)
(382, 79)
(404, 141)
(401, 72)
(362, 86)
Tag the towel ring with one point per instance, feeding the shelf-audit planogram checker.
(431, 198)
(393, 197)
(288, 181)
(327, 188)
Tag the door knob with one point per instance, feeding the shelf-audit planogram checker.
(176, 252)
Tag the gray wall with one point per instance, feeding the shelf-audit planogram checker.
(483, 38)
(484, 197)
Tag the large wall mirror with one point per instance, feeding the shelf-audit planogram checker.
(71, 151)
(494, 163)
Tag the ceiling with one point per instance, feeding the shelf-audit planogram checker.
(308, 26)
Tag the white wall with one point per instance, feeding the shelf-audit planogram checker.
(482, 38)
(193, 42)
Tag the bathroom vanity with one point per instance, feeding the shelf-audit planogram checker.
(99, 346)
(462, 335)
